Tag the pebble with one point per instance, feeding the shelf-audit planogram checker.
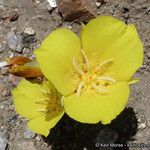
(13, 16)
(38, 138)
(3, 142)
(20, 46)
(78, 10)
(3, 90)
(4, 70)
(148, 55)
(98, 4)
(14, 41)
(4, 15)
(148, 124)
(3, 63)
(2, 48)
(28, 134)
(28, 39)
(142, 125)
(22, 145)
(49, 8)
(52, 3)
(29, 30)
(37, 1)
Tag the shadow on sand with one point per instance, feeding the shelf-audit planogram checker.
(69, 134)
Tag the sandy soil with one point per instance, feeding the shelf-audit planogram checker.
(35, 14)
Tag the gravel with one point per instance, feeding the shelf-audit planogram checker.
(43, 19)
(3, 141)
(28, 134)
(14, 41)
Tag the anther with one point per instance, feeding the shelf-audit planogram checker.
(100, 90)
(46, 92)
(42, 110)
(109, 79)
(81, 84)
(42, 101)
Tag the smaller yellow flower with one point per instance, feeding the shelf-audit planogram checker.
(41, 104)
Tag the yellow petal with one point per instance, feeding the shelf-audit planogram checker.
(25, 95)
(101, 32)
(127, 53)
(108, 38)
(92, 107)
(55, 57)
(43, 124)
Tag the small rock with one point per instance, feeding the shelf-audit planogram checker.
(38, 138)
(13, 16)
(28, 39)
(3, 90)
(49, 8)
(142, 125)
(28, 134)
(98, 4)
(37, 1)
(69, 27)
(22, 145)
(148, 55)
(80, 10)
(14, 79)
(14, 41)
(3, 142)
(2, 48)
(29, 30)
(3, 63)
(148, 124)
(4, 15)
(19, 46)
(52, 3)
(139, 120)
(45, 6)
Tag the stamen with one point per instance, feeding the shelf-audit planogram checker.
(99, 89)
(85, 58)
(81, 84)
(76, 66)
(44, 110)
(46, 92)
(42, 101)
(109, 79)
(105, 65)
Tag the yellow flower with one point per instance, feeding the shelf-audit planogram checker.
(94, 71)
(41, 104)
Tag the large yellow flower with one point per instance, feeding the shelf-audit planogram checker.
(92, 71)
(41, 104)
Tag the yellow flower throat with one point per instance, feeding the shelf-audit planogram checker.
(51, 103)
(95, 79)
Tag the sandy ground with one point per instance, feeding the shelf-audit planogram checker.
(35, 14)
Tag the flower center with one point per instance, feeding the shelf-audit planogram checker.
(51, 102)
(95, 79)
